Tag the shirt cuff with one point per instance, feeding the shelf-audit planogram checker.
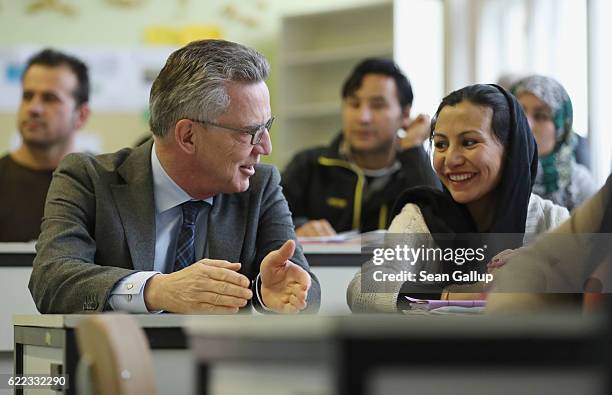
(128, 293)
(258, 293)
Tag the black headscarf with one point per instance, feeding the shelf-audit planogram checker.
(445, 217)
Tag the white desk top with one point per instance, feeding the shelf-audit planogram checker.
(18, 248)
(71, 320)
(352, 247)
(349, 247)
(331, 248)
(379, 325)
(291, 326)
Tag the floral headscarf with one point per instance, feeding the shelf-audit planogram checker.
(555, 169)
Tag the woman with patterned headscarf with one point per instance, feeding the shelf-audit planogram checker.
(549, 111)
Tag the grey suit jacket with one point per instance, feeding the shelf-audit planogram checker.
(99, 226)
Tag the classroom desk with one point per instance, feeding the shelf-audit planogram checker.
(352, 252)
(388, 355)
(357, 354)
(335, 265)
(15, 268)
(334, 254)
(46, 344)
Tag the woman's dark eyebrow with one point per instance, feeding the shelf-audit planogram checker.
(470, 131)
(460, 134)
(543, 108)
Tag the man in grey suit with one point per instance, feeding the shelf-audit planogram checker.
(188, 222)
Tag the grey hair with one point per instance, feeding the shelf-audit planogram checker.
(192, 82)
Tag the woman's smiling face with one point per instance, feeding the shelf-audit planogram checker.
(468, 157)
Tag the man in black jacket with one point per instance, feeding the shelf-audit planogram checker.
(353, 183)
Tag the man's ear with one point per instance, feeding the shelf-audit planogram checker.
(82, 115)
(184, 135)
(405, 117)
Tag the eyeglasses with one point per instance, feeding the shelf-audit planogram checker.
(256, 133)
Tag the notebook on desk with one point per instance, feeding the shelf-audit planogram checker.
(445, 306)
(350, 242)
(341, 237)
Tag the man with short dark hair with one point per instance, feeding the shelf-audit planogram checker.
(352, 184)
(54, 105)
(187, 222)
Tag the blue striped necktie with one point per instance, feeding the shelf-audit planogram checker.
(185, 244)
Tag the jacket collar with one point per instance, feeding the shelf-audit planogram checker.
(135, 204)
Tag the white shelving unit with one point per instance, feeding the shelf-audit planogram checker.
(318, 51)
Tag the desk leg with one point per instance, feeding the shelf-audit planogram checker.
(203, 379)
(350, 370)
(18, 363)
(71, 360)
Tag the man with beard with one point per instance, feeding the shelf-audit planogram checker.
(54, 105)
(353, 183)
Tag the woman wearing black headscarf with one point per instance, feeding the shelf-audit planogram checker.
(486, 157)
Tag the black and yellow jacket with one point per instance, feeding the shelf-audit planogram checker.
(322, 183)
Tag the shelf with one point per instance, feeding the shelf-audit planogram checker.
(315, 110)
(317, 53)
(338, 54)
(337, 12)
